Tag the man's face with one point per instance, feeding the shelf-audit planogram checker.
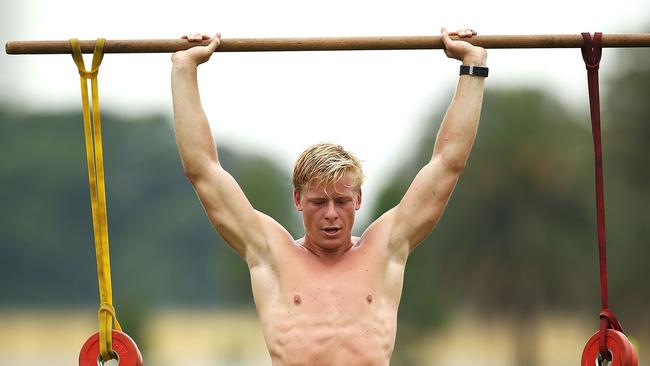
(328, 215)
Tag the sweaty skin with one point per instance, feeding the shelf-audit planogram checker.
(329, 298)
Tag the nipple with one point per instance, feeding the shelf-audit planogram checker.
(297, 300)
(369, 299)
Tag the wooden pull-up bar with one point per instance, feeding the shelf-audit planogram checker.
(326, 44)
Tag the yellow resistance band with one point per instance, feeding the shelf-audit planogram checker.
(93, 135)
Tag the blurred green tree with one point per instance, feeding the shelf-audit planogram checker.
(519, 235)
(626, 128)
(163, 249)
(513, 236)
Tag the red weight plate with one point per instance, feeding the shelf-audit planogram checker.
(123, 345)
(623, 353)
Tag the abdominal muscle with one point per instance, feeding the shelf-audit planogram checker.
(327, 315)
(307, 337)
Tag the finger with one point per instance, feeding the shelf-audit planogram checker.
(215, 42)
(195, 37)
(451, 33)
(444, 34)
(466, 33)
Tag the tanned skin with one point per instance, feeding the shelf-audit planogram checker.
(328, 298)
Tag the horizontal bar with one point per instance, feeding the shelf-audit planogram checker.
(326, 44)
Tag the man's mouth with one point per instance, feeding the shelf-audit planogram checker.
(331, 230)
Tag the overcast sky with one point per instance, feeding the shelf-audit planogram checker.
(372, 102)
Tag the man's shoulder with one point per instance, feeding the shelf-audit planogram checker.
(275, 243)
(382, 225)
(383, 234)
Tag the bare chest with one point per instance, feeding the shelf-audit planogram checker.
(301, 281)
(349, 285)
(316, 311)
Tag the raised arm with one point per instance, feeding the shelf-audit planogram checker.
(223, 200)
(422, 205)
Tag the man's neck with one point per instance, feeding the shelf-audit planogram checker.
(323, 252)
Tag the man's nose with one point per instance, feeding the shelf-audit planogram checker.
(331, 210)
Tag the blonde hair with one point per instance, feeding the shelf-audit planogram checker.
(326, 163)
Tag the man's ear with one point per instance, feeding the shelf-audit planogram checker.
(358, 200)
(296, 200)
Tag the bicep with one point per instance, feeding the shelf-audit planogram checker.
(423, 203)
(229, 210)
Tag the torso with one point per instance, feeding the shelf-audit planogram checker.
(336, 312)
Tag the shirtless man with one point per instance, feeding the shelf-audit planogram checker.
(329, 298)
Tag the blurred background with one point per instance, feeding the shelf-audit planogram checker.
(509, 276)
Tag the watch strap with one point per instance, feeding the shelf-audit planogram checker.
(474, 70)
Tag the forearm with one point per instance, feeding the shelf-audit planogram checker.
(193, 136)
(460, 124)
(425, 200)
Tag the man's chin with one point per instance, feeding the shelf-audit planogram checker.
(336, 241)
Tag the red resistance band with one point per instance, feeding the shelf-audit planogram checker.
(591, 53)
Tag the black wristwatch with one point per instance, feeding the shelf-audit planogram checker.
(474, 70)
